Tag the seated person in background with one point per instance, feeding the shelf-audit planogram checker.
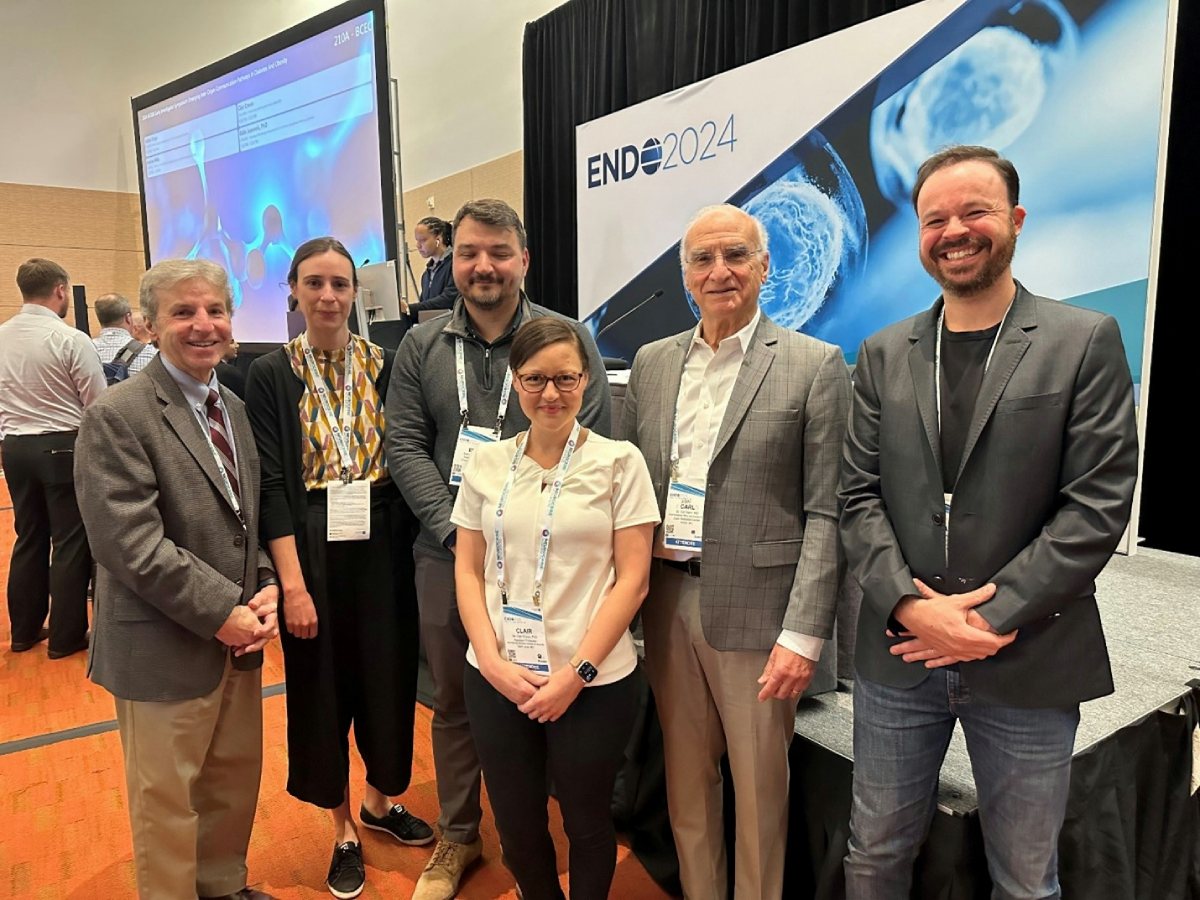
(349, 604)
(437, 281)
(116, 341)
(549, 688)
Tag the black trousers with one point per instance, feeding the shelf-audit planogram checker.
(581, 753)
(50, 557)
(361, 668)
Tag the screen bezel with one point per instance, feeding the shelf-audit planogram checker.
(302, 31)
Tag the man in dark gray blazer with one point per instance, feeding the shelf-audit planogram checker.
(741, 424)
(988, 475)
(167, 476)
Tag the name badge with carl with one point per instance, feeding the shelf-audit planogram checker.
(470, 437)
(348, 502)
(683, 522)
(683, 519)
(524, 627)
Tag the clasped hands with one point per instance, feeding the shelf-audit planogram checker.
(543, 699)
(943, 629)
(250, 626)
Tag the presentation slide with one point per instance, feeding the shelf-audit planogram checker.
(244, 167)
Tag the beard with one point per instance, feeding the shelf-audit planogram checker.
(486, 295)
(988, 274)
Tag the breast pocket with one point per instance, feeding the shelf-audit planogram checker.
(1032, 402)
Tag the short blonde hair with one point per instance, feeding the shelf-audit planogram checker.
(167, 274)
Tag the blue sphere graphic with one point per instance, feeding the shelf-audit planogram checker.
(651, 155)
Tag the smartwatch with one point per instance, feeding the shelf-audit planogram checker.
(585, 670)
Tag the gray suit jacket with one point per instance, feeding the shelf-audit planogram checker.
(770, 557)
(1043, 495)
(173, 557)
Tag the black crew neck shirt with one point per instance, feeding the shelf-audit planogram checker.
(964, 357)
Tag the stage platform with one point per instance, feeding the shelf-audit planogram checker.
(1148, 603)
(1132, 765)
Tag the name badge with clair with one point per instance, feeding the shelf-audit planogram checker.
(683, 524)
(525, 639)
(469, 438)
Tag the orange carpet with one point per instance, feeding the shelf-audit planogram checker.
(64, 830)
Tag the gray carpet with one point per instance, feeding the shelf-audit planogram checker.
(1152, 620)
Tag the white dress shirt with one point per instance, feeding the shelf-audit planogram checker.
(704, 392)
(109, 342)
(49, 372)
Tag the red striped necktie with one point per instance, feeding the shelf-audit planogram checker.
(222, 440)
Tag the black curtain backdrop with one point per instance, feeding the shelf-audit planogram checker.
(589, 58)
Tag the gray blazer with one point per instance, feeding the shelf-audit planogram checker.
(770, 558)
(173, 557)
(1043, 495)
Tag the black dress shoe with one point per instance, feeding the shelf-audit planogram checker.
(63, 654)
(22, 646)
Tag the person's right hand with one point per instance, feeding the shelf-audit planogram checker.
(515, 682)
(299, 614)
(239, 628)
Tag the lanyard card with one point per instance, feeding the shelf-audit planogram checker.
(469, 437)
(525, 639)
(683, 525)
(348, 511)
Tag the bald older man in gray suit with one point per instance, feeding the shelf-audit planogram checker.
(167, 476)
(741, 424)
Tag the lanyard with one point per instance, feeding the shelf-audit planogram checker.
(543, 554)
(674, 459)
(937, 357)
(229, 493)
(341, 433)
(460, 370)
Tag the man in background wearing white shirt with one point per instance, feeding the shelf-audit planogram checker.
(116, 337)
(49, 372)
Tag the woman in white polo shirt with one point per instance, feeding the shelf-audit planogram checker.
(555, 528)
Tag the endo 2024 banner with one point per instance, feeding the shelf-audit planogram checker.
(822, 143)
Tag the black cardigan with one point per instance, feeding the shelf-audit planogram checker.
(273, 394)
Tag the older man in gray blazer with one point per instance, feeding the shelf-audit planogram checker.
(167, 476)
(988, 476)
(741, 423)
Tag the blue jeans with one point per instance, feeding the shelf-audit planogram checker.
(1021, 759)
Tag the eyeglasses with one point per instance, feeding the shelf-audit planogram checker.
(734, 257)
(564, 383)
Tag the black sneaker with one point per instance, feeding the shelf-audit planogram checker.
(400, 824)
(346, 872)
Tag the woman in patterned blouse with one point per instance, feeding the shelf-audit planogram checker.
(341, 536)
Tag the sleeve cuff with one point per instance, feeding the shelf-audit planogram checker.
(805, 644)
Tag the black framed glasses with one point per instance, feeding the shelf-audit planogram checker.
(564, 382)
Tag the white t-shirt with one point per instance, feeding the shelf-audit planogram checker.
(607, 488)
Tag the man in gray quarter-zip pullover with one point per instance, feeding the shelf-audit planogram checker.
(429, 403)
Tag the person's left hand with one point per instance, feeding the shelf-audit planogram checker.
(554, 697)
(264, 604)
(785, 675)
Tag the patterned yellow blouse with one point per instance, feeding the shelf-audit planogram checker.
(319, 457)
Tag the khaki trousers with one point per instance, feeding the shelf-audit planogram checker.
(192, 770)
(708, 706)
